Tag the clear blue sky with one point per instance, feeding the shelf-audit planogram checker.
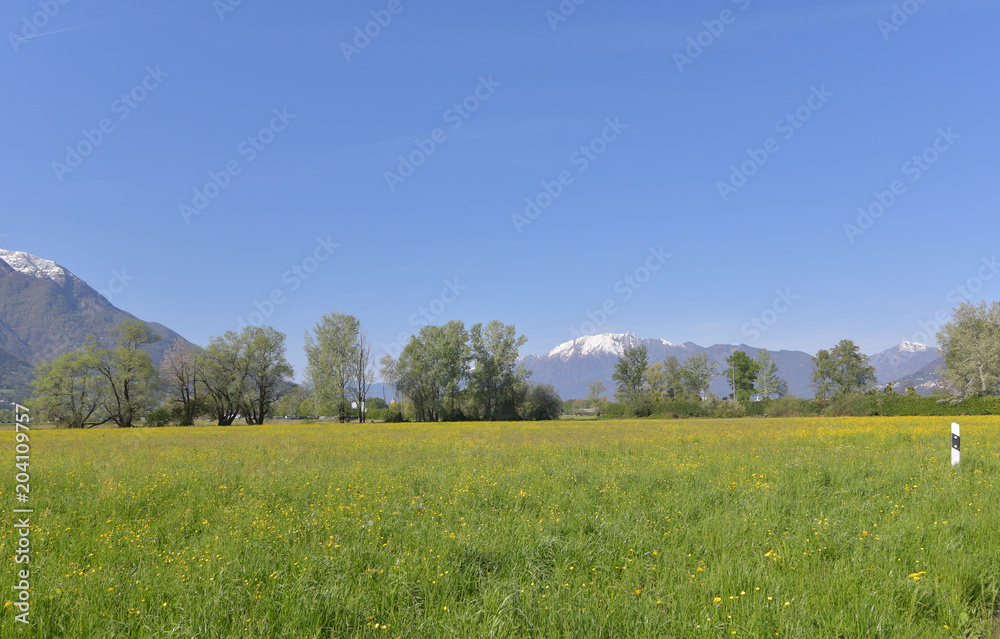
(183, 90)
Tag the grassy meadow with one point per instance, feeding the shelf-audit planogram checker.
(854, 527)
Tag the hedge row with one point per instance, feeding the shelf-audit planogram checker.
(870, 404)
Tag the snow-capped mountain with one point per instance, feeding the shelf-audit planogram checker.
(45, 311)
(572, 366)
(28, 264)
(913, 347)
(613, 344)
(893, 364)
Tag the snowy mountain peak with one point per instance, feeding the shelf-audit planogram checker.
(603, 344)
(913, 347)
(34, 266)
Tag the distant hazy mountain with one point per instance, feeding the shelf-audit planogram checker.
(46, 311)
(898, 362)
(925, 381)
(571, 366)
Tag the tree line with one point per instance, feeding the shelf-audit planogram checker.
(642, 386)
(444, 373)
(237, 375)
(450, 373)
(970, 345)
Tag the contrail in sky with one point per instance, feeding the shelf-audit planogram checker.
(135, 15)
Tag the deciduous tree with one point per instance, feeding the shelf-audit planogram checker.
(499, 383)
(245, 373)
(631, 372)
(64, 389)
(332, 355)
(179, 372)
(843, 369)
(768, 384)
(697, 374)
(362, 373)
(129, 384)
(970, 343)
(595, 396)
(542, 402)
(269, 375)
(742, 374)
(224, 376)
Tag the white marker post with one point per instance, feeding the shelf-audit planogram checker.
(956, 444)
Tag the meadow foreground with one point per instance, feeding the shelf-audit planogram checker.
(685, 528)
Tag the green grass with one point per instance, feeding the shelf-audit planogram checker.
(679, 528)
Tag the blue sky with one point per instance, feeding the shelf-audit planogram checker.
(694, 167)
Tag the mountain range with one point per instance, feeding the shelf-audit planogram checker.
(46, 311)
(571, 366)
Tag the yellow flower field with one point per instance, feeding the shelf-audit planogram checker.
(683, 528)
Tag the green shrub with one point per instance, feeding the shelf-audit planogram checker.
(849, 404)
(682, 407)
(790, 406)
(393, 416)
(728, 409)
(615, 410)
(158, 418)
